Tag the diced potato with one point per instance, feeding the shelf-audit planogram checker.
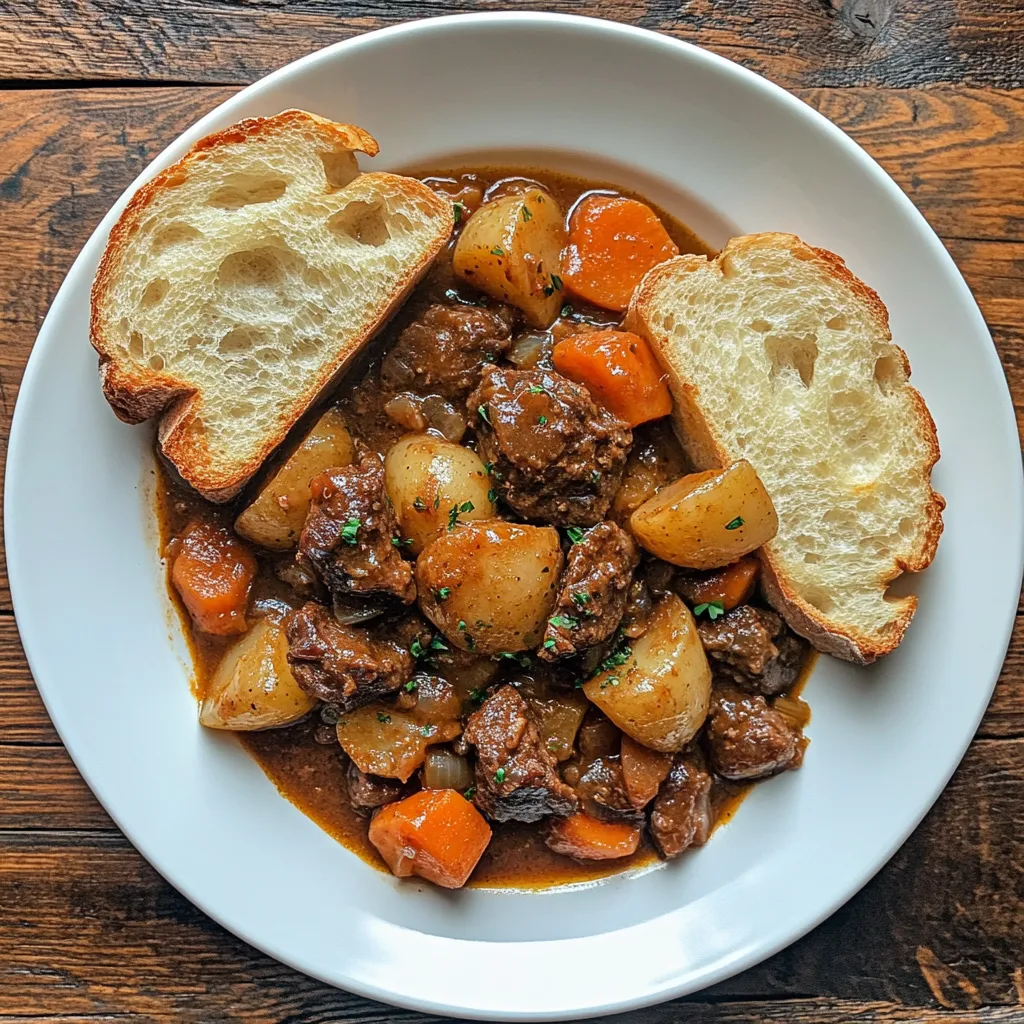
(426, 479)
(512, 250)
(382, 740)
(706, 520)
(275, 518)
(253, 686)
(490, 586)
(659, 696)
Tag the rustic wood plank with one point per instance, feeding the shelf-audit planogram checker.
(830, 43)
(40, 788)
(940, 926)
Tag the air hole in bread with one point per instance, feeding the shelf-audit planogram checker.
(818, 598)
(240, 410)
(361, 221)
(812, 557)
(908, 528)
(155, 293)
(156, 363)
(761, 326)
(136, 344)
(889, 373)
(242, 189)
(240, 339)
(173, 234)
(261, 268)
(340, 167)
(837, 323)
(792, 352)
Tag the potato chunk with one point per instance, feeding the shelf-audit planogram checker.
(706, 520)
(432, 485)
(511, 248)
(274, 518)
(253, 686)
(660, 694)
(490, 586)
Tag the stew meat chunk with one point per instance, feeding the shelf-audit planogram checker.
(592, 592)
(344, 665)
(753, 648)
(348, 534)
(602, 792)
(681, 812)
(556, 455)
(443, 351)
(747, 738)
(368, 792)
(516, 775)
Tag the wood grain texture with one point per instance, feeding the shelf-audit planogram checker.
(897, 43)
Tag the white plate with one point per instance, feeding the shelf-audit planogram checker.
(730, 153)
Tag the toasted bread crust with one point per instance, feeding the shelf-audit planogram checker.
(136, 396)
(706, 451)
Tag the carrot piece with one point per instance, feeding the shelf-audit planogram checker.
(213, 572)
(436, 834)
(643, 771)
(619, 370)
(729, 586)
(586, 838)
(613, 242)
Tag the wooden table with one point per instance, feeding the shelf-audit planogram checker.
(94, 88)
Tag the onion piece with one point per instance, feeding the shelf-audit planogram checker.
(532, 350)
(444, 769)
(406, 410)
(444, 417)
(350, 613)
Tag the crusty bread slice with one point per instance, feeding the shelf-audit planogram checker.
(777, 354)
(239, 283)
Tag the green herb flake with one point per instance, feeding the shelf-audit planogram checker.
(470, 793)
(419, 504)
(564, 622)
(581, 597)
(595, 477)
(443, 594)
(488, 467)
(526, 213)
(713, 608)
(538, 389)
(566, 310)
(542, 420)
(466, 506)
(499, 776)
(476, 696)
(484, 414)
(416, 648)
(437, 502)
(410, 687)
(457, 209)
(575, 534)
(497, 251)
(462, 626)
(350, 531)
(556, 282)
(548, 644)
(437, 644)
(492, 495)
(401, 542)
(383, 718)
(428, 730)
(735, 524)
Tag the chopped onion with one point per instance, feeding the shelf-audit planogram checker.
(444, 769)
(558, 719)
(532, 350)
(349, 613)
(795, 711)
(444, 417)
(436, 700)
(407, 411)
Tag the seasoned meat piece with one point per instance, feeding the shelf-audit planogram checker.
(348, 534)
(367, 792)
(516, 777)
(443, 351)
(592, 592)
(681, 812)
(345, 665)
(747, 738)
(602, 792)
(753, 648)
(557, 456)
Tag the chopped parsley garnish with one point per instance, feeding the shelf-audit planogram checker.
(713, 608)
(457, 209)
(443, 594)
(581, 597)
(610, 681)
(735, 524)
(595, 476)
(488, 466)
(497, 251)
(492, 495)
(548, 644)
(437, 644)
(618, 656)
(476, 695)
(499, 776)
(557, 282)
(411, 686)
(350, 531)
(416, 648)
(437, 501)
(542, 420)
(575, 534)
(523, 660)
(526, 213)
(566, 310)
(470, 793)
(383, 718)
(419, 504)
(428, 730)
(400, 542)
(484, 414)
(462, 626)
(564, 622)
(538, 389)
(456, 510)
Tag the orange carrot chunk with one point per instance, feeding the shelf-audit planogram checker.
(613, 242)
(212, 573)
(436, 834)
(619, 370)
(729, 586)
(586, 838)
(643, 771)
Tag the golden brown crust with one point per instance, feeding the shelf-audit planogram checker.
(137, 395)
(706, 452)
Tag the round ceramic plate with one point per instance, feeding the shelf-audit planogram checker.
(729, 153)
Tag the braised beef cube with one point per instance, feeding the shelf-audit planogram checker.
(753, 648)
(346, 666)
(368, 792)
(681, 812)
(348, 534)
(747, 738)
(602, 792)
(442, 352)
(516, 775)
(592, 592)
(557, 456)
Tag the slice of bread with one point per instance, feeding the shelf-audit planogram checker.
(777, 354)
(239, 283)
